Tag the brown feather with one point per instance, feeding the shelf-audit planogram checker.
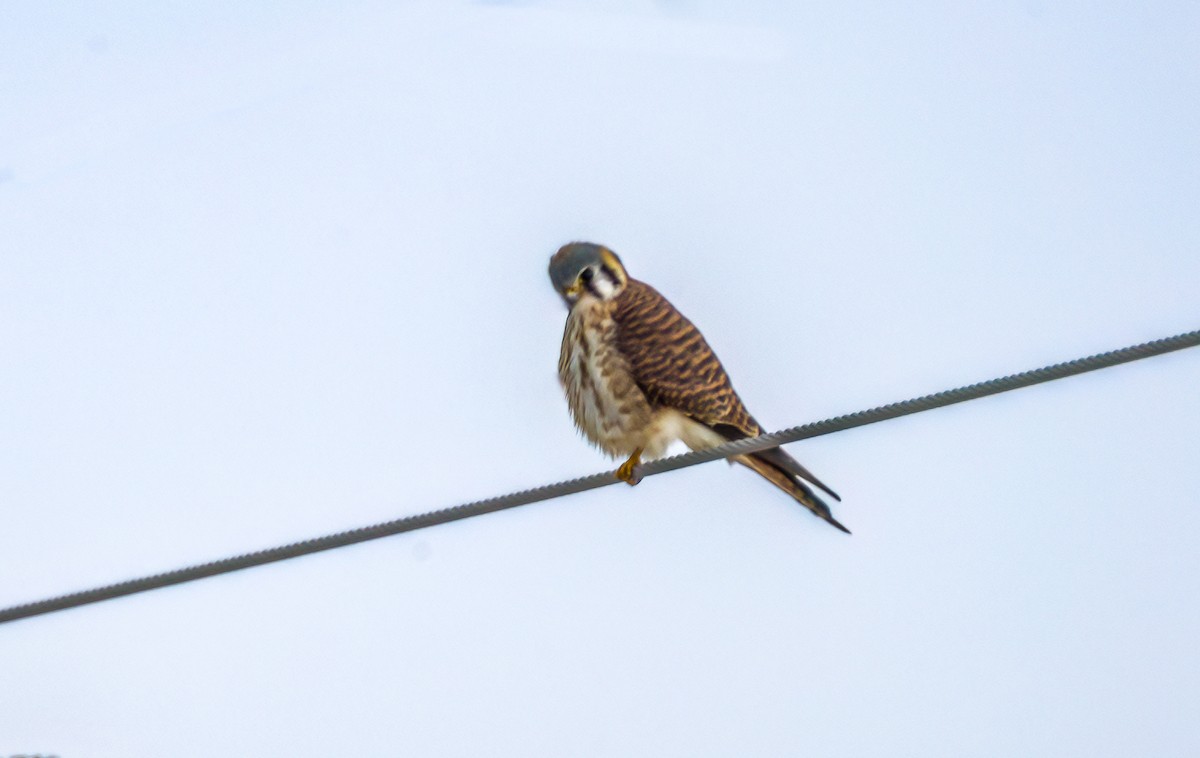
(789, 484)
(779, 458)
(673, 365)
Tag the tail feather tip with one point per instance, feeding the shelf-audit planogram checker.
(834, 522)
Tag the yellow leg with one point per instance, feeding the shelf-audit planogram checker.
(627, 470)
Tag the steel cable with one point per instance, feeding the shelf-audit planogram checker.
(603, 479)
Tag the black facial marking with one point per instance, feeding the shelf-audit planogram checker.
(587, 276)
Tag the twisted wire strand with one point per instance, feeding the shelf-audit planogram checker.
(603, 479)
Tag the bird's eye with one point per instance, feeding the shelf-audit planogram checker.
(586, 275)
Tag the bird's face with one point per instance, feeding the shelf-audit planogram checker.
(581, 270)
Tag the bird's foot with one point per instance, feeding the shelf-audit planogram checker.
(627, 471)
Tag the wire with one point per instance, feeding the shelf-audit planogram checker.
(603, 479)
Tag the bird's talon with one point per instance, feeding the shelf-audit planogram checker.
(627, 471)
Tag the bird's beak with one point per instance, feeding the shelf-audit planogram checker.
(573, 290)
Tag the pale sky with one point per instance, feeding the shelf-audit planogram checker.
(273, 270)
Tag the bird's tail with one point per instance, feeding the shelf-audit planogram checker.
(789, 483)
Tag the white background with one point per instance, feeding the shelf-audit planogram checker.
(273, 270)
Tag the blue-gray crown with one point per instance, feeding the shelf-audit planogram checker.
(571, 259)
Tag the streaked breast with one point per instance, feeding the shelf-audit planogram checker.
(606, 403)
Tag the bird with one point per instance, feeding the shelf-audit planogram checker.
(638, 375)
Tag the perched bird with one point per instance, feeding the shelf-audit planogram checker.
(638, 375)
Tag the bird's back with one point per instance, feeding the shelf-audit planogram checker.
(672, 362)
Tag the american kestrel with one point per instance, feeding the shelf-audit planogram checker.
(638, 375)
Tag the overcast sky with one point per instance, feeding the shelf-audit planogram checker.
(272, 270)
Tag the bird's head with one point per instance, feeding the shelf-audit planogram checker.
(583, 269)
